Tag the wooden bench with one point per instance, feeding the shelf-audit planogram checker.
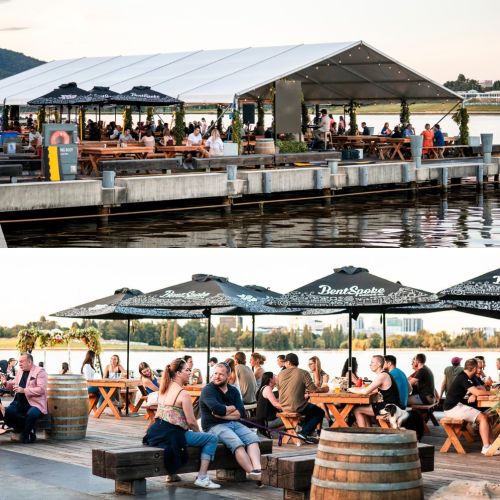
(290, 421)
(129, 466)
(93, 400)
(455, 428)
(43, 423)
(221, 162)
(292, 470)
(290, 158)
(427, 413)
(11, 171)
(134, 166)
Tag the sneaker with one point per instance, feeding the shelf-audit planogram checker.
(118, 404)
(174, 478)
(206, 483)
(486, 448)
(255, 475)
(308, 439)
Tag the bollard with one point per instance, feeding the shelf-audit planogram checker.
(318, 179)
(443, 177)
(487, 147)
(232, 172)
(108, 179)
(479, 176)
(363, 176)
(406, 173)
(333, 165)
(266, 183)
(416, 142)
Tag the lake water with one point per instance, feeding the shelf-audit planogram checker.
(332, 361)
(388, 220)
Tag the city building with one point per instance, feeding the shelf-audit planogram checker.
(412, 325)
(486, 84)
(315, 324)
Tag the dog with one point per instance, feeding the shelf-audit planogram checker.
(402, 419)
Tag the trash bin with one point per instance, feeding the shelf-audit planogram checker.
(6, 134)
(346, 154)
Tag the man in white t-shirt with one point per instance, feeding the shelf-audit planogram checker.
(195, 138)
(33, 134)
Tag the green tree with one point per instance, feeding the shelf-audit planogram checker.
(307, 338)
(179, 343)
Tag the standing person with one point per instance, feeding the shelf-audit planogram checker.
(195, 372)
(175, 426)
(386, 130)
(245, 377)
(232, 376)
(450, 372)
(65, 369)
(221, 407)
(458, 402)
(30, 400)
(404, 386)
(341, 129)
(320, 378)
(29, 121)
(428, 139)
(424, 392)
(148, 378)
(281, 362)
(203, 126)
(386, 386)
(294, 384)
(267, 404)
(324, 126)
(88, 371)
(257, 361)
(438, 139)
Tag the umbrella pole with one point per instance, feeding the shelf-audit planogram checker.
(128, 365)
(253, 333)
(99, 127)
(385, 334)
(350, 349)
(209, 317)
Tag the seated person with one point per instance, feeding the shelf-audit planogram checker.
(408, 131)
(365, 129)
(259, 129)
(148, 139)
(292, 385)
(386, 130)
(215, 144)
(221, 407)
(94, 132)
(195, 372)
(404, 386)
(386, 386)
(267, 404)
(148, 378)
(30, 400)
(397, 133)
(195, 138)
(160, 127)
(354, 371)
(424, 392)
(246, 378)
(33, 135)
(168, 138)
(126, 136)
(458, 402)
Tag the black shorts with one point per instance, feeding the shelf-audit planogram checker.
(376, 407)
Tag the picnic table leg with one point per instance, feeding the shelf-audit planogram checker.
(107, 402)
(93, 163)
(452, 430)
(340, 417)
(496, 444)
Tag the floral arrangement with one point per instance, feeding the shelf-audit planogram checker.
(236, 128)
(57, 116)
(41, 118)
(27, 339)
(179, 125)
(461, 118)
(81, 123)
(5, 118)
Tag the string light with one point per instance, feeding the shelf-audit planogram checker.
(316, 67)
(349, 55)
(389, 67)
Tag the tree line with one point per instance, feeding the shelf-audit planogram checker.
(462, 84)
(193, 334)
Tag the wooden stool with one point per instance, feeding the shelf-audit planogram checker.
(290, 420)
(427, 413)
(455, 428)
(93, 400)
(383, 422)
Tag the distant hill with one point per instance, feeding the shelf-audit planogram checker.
(14, 62)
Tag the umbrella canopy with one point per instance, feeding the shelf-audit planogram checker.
(484, 287)
(353, 288)
(66, 94)
(143, 96)
(439, 306)
(103, 92)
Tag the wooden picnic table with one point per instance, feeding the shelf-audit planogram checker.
(114, 385)
(169, 151)
(489, 402)
(91, 155)
(348, 399)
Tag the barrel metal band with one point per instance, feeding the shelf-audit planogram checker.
(407, 485)
(70, 418)
(52, 398)
(370, 453)
(57, 389)
(348, 437)
(82, 383)
(367, 466)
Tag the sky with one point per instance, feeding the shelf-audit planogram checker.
(43, 281)
(438, 39)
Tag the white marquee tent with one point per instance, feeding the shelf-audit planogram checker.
(329, 72)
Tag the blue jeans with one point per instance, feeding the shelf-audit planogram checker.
(314, 416)
(207, 442)
(234, 435)
(21, 417)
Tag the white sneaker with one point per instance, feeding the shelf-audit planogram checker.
(206, 483)
(486, 448)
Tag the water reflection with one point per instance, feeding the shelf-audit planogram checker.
(460, 218)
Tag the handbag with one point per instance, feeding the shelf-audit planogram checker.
(152, 398)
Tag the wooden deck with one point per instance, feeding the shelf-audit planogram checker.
(108, 431)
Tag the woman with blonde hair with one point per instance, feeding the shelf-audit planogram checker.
(319, 377)
(257, 361)
(148, 378)
(232, 380)
(113, 370)
(215, 144)
(167, 139)
(175, 426)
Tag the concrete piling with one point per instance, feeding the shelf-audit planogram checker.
(232, 172)
(333, 165)
(487, 147)
(479, 176)
(108, 180)
(416, 142)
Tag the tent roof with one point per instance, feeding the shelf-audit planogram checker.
(329, 72)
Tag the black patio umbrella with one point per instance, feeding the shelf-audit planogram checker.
(102, 94)
(143, 96)
(484, 287)
(354, 289)
(109, 308)
(67, 94)
(214, 294)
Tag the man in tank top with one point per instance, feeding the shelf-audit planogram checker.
(386, 386)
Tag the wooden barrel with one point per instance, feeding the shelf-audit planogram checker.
(264, 147)
(367, 464)
(68, 401)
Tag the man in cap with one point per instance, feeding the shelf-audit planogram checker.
(293, 383)
(450, 372)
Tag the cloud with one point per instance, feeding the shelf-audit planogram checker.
(12, 29)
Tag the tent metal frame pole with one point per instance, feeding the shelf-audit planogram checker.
(350, 349)
(253, 333)
(100, 131)
(209, 332)
(447, 113)
(384, 333)
(128, 366)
